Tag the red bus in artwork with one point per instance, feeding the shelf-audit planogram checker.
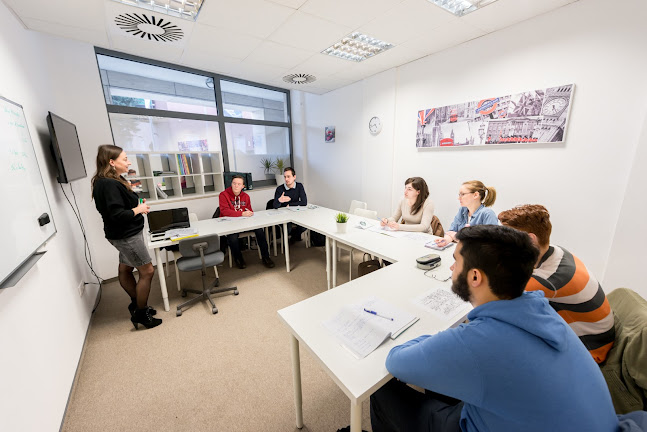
(453, 115)
(446, 142)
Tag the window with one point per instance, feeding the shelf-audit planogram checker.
(156, 107)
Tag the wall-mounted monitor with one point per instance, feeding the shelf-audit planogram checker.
(66, 149)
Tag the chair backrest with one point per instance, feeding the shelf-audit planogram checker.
(216, 214)
(369, 214)
(188, 250)
(193, 217)
(354, 204)
(437, 227)
(269, 205)
(624, 368)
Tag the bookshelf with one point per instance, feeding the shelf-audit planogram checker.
(181, 175)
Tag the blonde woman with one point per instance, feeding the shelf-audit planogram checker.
(475, 199)
(416, 208)
(123, 224)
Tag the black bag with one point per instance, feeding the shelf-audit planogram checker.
(367, 265)
(317, 239)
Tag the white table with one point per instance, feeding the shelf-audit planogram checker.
(261, 219)
(397, 284)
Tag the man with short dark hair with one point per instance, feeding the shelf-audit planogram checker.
(236, 203)
(291, 193)
(515, 366)
(567, 284)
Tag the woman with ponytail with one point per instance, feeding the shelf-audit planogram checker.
(475, 199)
(123, 224)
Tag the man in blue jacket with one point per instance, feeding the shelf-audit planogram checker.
(516, 366)
(291, 193)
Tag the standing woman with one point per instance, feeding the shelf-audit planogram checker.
(475, 198)
(123, 225)
(416, 208)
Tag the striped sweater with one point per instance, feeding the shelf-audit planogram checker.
(577, 297)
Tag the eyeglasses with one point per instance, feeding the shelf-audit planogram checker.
(438, 278)
(460, 194)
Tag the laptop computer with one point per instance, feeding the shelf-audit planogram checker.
(160, 221)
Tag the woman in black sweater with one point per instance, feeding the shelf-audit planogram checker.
(123, 223)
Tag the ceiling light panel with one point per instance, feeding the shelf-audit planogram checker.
(461, 7)
(186, 9)
(357, 47)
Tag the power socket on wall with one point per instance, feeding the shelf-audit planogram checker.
(81, 288)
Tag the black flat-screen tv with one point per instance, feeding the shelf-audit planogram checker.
(66, 149)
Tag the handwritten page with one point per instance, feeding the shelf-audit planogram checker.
(388, 231)
(356, 331)
(417, 237)
(440, 302)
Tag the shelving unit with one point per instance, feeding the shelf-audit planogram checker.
(181, 175)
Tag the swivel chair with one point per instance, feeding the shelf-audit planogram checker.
(198, 253)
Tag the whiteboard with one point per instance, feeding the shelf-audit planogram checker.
(23, 193)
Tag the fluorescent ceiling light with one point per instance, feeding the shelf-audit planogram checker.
(357, 47)
(187, 9)
(461, 7)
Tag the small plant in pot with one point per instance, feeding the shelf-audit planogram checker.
(279, 166)
(342, 222)
(268, 165)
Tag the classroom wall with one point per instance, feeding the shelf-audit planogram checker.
(43, 320)
(591, 43)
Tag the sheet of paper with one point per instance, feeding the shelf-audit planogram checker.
(402, 320)
(440, 302)
(387, 231)
(272, 212)
(417, 237)
(356, 332)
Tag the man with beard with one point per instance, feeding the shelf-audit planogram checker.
(515, 366)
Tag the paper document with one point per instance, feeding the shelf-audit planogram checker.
(440, 302)
(297, 208)
(388, 231)
(417, 236)
(180, 232)
(361, 332)
(272, 212)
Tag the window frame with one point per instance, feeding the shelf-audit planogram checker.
(220, 118)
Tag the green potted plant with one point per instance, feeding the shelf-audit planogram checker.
(279, 166)
(342, 222)
(268, 165)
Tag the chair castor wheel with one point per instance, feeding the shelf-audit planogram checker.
(236, 292)
(214, 310)
(183, 293)
(178, 312)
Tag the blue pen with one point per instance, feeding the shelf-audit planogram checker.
(377, 314)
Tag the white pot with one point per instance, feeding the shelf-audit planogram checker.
(341, 227)
(279, 179)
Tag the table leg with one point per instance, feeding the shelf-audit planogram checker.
(333, 244)
(160, 275)
(355, 416)
(296, 378)
(274, 237)
(286, 245)
(328, 262)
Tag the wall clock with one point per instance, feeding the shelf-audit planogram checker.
(375, 125)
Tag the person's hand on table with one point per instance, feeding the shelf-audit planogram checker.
(384, 222)
(248, 213)
(444, 241)
(394, 226)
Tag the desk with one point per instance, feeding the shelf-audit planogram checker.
(261, 219)
(397, 284)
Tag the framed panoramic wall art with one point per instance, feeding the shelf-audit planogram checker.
(536, 116)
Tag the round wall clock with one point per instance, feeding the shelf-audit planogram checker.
(554, 106)
(375, 125)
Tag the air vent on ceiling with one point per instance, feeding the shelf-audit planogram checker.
(299, 78)
(152, 28)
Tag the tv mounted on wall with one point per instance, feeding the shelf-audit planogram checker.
(66, 149)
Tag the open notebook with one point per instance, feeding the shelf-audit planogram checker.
(361, 332)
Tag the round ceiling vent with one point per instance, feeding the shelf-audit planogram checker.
(299, 78)
(144, 26)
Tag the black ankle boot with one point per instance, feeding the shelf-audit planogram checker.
(132, 307)
(144, 317)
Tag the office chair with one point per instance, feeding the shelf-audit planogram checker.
(198, 253)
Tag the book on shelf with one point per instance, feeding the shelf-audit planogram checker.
(364, 326)
(160, 173)
(184, 164)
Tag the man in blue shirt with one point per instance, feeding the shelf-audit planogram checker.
(292, 193)
(515, 366)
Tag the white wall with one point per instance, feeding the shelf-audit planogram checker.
(592, 43)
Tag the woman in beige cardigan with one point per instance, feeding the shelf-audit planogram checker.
(416, 209)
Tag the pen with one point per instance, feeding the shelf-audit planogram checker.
(377, 314)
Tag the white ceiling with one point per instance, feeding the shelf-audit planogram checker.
(264, 40)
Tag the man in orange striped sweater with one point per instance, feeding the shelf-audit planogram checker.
(569, 287)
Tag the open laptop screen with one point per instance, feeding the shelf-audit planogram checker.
(163, 220)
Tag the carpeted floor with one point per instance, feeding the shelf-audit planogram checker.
(202, 372)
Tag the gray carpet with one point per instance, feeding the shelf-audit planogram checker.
(202, 372)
